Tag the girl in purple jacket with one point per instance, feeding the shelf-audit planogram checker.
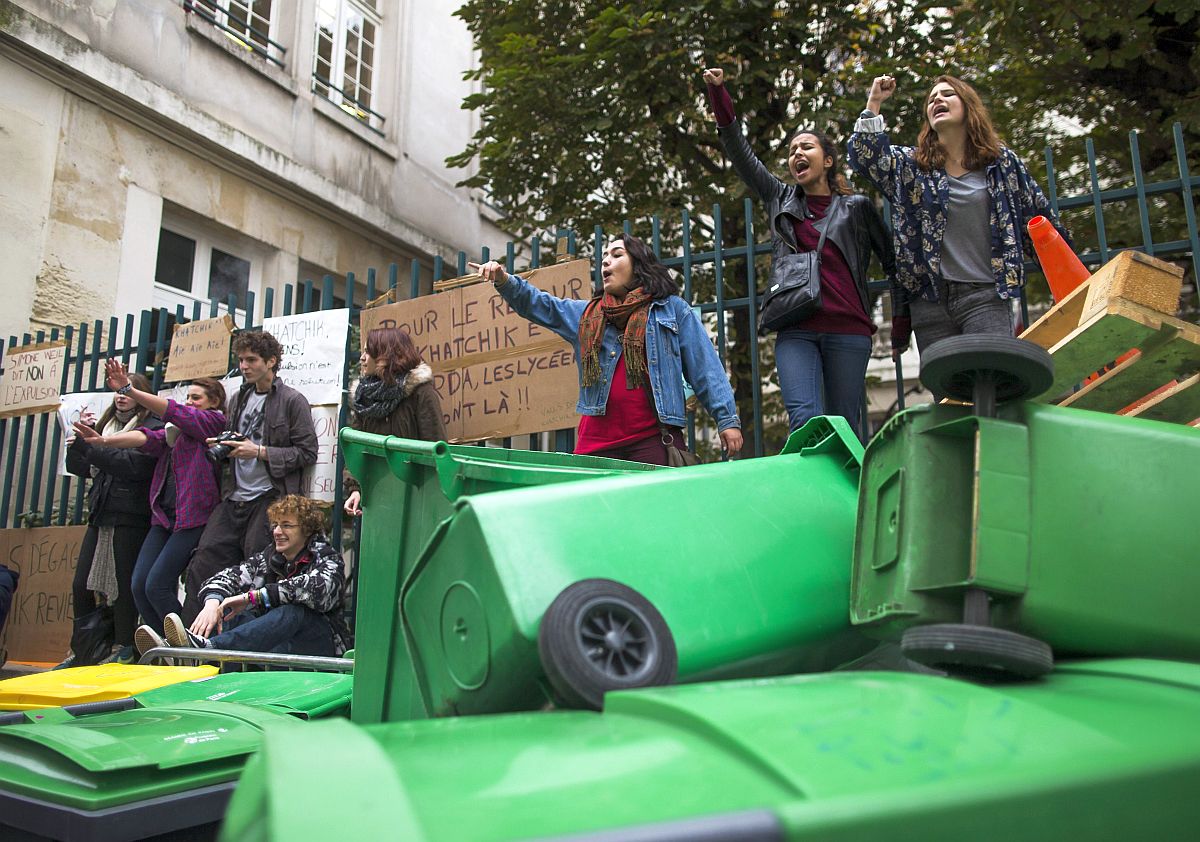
(184, 489)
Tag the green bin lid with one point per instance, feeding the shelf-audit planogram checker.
(308, 695)
(99, 761)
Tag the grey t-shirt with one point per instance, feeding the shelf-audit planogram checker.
(251, 475)
(967, 244)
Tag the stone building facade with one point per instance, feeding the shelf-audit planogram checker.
(159, 152)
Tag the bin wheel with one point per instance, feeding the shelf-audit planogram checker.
(955, 366)
(977, 651)
(599, 635)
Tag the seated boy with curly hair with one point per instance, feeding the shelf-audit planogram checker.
(285, 599)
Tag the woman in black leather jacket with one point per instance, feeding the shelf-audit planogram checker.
(822, 360)
(118, 519)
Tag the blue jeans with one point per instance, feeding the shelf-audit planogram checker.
(287, 629)
(822, 374)
(162, 559)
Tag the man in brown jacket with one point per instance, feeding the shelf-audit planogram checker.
(277, 440)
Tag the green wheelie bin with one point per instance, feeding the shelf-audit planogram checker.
(990, 535)
(162, 761)
(1099, 750)
(409, 487)
(562, 592)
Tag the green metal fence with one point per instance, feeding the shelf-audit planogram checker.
(719, 277)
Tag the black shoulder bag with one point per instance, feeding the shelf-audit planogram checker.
(793, 290)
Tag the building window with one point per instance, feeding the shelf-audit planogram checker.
(347, 51)
(198, 262)
(247, 22)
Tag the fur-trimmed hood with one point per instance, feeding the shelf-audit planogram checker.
(416, 376)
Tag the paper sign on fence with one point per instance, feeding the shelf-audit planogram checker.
(32, 374)
(314, 352)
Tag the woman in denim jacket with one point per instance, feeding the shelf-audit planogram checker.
(635, 343)
(960, 204)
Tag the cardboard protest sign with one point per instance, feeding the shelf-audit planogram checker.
(72, 407)
(32, 374)
(39, 623)
(320, 481)
(200, 349)
(314, 351)
(497, 374)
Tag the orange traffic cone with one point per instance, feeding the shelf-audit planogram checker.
(1064, 271)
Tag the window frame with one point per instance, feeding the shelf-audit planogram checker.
(206, 237)
(217, 13)
(333, 88)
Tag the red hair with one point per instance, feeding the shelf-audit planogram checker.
(393, 347)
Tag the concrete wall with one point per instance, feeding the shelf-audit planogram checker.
(116, 112)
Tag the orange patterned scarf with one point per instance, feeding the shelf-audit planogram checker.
(629, 317)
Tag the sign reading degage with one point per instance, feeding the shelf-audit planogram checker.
(496, 373)
(39, 622)
(200, 349)
(32, 374)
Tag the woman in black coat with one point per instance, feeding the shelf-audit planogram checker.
(118, 520)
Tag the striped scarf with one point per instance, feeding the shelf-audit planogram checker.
(629, 317)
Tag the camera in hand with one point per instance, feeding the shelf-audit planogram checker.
(220, 451)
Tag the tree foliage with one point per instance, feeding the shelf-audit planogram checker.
(593, 112)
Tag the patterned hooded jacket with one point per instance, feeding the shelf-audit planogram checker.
(316, 579)
(919, 200)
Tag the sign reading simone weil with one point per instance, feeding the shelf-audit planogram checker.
(497, 374)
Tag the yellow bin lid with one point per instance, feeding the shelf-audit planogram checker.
(100, 683)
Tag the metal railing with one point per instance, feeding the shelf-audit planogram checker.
(362, 110)
(210, 11)
(719, 277)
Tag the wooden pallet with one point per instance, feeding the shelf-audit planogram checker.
(1125, 306)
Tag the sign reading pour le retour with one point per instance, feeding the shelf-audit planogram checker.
(497, 374)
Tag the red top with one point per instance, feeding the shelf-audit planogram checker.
(841, 308)
(628, 417)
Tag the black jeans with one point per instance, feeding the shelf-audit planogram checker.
(234, 532)
(127, 541)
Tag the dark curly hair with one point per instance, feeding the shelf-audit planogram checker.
(259, 342)
(834, 176)
(309, 515)
(648, 271)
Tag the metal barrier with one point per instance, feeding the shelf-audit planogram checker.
(315, 663)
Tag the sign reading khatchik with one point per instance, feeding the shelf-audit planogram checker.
(497, 374)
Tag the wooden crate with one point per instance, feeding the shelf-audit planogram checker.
(1126, 305)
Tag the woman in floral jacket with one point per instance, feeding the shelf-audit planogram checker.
(960, 203)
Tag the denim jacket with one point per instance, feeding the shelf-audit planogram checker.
(677, 346)
(919, 201)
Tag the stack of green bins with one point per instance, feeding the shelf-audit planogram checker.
(409, 488)
(1100, 750)
(745, 565)
(1075, 525)
(162, 761)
